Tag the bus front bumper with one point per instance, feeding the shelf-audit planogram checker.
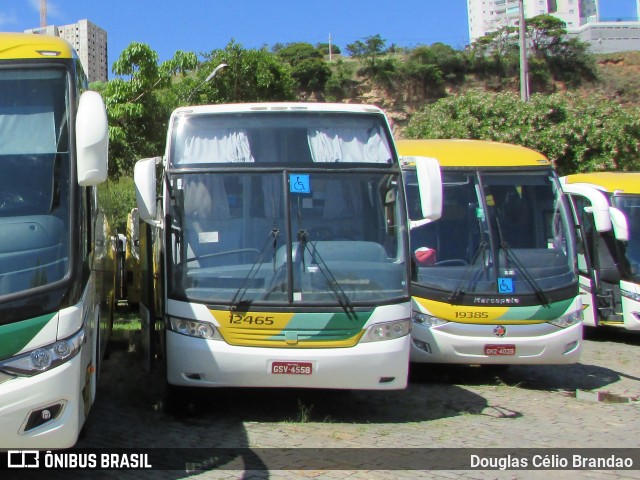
(42, 411)
(197, 362)
(479, 345)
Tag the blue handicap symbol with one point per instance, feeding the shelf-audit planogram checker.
(505, 285)
(299, 183)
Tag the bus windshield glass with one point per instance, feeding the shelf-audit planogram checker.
(630, 205)
(35, 179)
(501, 234)
(278, 138)
(307, 236)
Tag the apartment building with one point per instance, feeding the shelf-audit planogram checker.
(89, 40)
(582, 19)
(489, 15)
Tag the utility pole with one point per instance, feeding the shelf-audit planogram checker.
(330, 55)
(524, 65)
(43, 13)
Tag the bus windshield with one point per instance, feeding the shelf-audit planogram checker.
(311, 237)
(630, 205)
(35, 178)
(501, 234)
(280, 138)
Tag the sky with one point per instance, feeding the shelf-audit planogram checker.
(201, 26)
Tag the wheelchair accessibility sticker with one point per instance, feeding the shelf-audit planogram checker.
(505, 285)
(299, 183)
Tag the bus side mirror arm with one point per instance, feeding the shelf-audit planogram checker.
(620, 224)
(144, 177)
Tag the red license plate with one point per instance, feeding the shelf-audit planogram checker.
(291, 368)
(499, 349)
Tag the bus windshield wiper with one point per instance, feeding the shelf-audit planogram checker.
(482, 248)
(521, 267)
(455, 294)
(272, 240)
(329, 278)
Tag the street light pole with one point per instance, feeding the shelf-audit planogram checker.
(524, 65)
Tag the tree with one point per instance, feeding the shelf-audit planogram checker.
(324, 48)
(137, 119)
(375, 65)
(568, 59)
(294, 53)
(553, 54)
(251, 76)
(578, 135)
(308, 66)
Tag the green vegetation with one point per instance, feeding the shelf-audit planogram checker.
(577, 134)
(456, 93)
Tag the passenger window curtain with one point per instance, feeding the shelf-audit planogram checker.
(350, 145)
(216, 146)
(27, 130)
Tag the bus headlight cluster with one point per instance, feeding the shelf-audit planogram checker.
(387, 331)
(426, 320)
(567, 320)
(193, 328)
(44, 358)
(630, 295)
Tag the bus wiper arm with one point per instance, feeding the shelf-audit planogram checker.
(482, 248)
(253, 271)
(329, 278)
(521, 267)
(458, 290)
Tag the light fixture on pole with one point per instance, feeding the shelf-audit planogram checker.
(206, 80)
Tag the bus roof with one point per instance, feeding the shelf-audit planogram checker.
(278, 107)
(623, 182)
(473, 153)
(15, 46)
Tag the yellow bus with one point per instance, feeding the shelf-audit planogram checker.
(494, 279)
(607, 205)
(57, 253)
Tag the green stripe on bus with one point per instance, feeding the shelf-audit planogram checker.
(538, 312)
(15, 336)
(326, 326)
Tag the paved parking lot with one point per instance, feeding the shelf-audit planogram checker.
(443, 407)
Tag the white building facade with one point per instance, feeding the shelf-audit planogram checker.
(582, 19)
(89, 40)
(488, 15)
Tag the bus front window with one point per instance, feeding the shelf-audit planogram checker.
(496, 230)
(34, 184)
(308, 237)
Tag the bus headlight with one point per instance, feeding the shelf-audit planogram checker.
(44, 358)
(426, 320)
(567, 320)
(387, 331)
(630, 295)
(194, 328)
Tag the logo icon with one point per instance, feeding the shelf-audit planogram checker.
(23, 459)
(299, 183)
(499, 331)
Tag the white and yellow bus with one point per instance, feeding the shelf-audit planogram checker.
(281, 248)
(57, 254)
(494, 279)
(608, 209)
